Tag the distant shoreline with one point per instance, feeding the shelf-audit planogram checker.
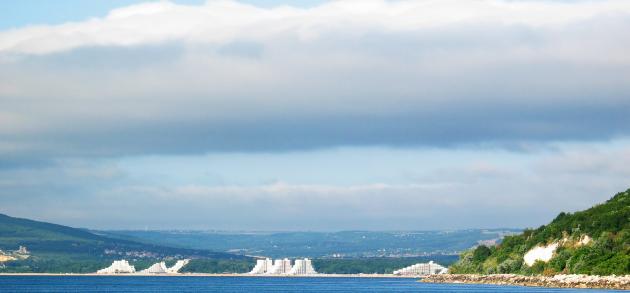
(215, 275)
(557, 281)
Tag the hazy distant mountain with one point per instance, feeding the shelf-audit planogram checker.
(57, 248)
(323, 244)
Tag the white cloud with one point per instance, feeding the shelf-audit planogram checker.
(226, 21)
(482, 188)
(224, 77)
(421, 73)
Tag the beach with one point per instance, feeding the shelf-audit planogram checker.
(218, 275)
(557, 281)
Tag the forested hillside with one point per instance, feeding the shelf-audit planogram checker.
(346, 244)
(607, 224)
(57, 248)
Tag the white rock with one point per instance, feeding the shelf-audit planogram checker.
(542, 253)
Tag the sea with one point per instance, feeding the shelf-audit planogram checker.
(24, 283)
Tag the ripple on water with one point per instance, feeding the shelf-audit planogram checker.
(245, 284)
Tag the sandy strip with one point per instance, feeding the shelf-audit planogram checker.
(218, 275)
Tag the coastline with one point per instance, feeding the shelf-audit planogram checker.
(215, 275)
(557, 281)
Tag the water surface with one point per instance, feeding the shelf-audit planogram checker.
(245, 284)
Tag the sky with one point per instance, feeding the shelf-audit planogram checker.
(312, 115)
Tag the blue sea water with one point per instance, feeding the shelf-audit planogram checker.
(244, 284)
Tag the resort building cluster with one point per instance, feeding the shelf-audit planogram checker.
(20, 253)
(421, 269)
(123, 267)
(283, 267)
(267, 266)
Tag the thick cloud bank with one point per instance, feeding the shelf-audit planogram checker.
(225, 76)
(443, 88)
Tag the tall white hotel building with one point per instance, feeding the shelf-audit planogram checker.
(283, 267)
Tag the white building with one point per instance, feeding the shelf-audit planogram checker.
(156, 268)
(280, 266)
(118, 267)
(178, 266)
(160, 268)
(22, 250)
(302, 267)
(262, 266)
(283, 267)
(430, 268)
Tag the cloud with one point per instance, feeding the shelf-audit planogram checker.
(226, 21)
(162, 78)
(479, 188)
(547, 82)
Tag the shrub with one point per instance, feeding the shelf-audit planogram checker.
(481, 253)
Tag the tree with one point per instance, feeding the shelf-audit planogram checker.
(481, 253)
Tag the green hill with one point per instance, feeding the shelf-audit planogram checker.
(349, 244)
(608, 225)
(57, 248)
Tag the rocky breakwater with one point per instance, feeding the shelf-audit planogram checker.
(558, 281)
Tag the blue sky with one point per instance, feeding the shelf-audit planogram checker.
(17, 14)
(339, 115)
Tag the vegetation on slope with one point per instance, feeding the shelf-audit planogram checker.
(609, 252)
(218, 266)
(61, 249)
(375, 265)
(348, 244)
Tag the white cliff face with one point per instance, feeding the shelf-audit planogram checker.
(584, 240)
(542, 253)
(545, 253)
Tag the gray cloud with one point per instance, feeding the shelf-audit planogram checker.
(287, 84)
(522, 190)
(465, 123)
(167, 79)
